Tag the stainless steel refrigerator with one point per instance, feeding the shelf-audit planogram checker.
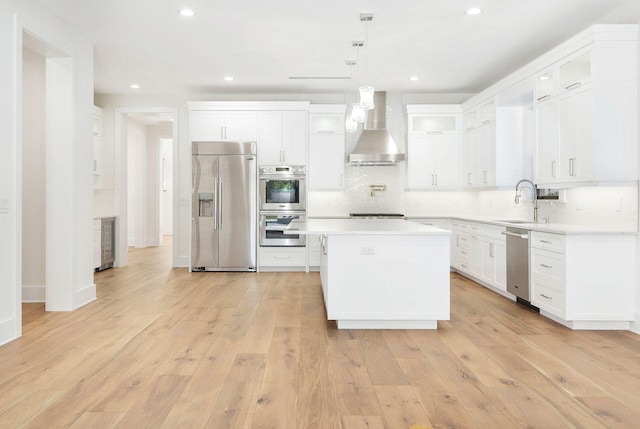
(224, 215)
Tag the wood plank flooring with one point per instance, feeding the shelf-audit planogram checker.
(163, 348)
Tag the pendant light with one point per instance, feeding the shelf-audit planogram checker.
(366, 97)
(350, 125)
(366, 91)
(358, 112)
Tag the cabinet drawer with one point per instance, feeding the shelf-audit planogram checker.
(548, 263)
(282, 257)
(462, 241)
(458, 225)
(543, 240)
(493, 232)
(546, 295)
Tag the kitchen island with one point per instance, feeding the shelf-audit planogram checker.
(382, 273)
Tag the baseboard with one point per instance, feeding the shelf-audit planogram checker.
(9, 331)
(84, 296)
(181, 262)
(635, 325)
(33, 293)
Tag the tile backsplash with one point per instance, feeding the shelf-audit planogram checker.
(593, 206)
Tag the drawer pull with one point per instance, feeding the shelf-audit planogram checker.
(546, 266)
(546, 241)
(282, 257)
(545, 296)
(573, 85)
(464, 266)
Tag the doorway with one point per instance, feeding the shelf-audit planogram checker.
(145, 201)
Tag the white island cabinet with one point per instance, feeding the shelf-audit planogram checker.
(382, 274)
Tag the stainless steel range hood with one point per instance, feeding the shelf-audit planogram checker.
(376, 146)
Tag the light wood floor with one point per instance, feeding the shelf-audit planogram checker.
(163, 348)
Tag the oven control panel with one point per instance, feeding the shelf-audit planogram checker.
(282, 169)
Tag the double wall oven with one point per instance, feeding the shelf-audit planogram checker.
(282, 200)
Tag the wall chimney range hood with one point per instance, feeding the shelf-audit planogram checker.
(376, 146)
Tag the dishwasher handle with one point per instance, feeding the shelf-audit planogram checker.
(513, 234)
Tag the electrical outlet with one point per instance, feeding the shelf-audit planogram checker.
(367, 250)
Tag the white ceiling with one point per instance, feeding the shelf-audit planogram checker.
(261, 43)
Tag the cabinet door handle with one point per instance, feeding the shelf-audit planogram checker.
(433, 132)
(491, 254)
(544, 97)
(546, 266)
(553, 169)
(546, 297)
(573, 85)
(222, 133)
(341, 180)
(325, 132)
(436, 178)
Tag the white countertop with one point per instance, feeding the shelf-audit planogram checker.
(553, 228)
(363, 227)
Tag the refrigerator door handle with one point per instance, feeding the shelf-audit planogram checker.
(219, 202)
(215, 202)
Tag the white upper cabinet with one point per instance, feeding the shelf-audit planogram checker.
(325, 169)
(433, 148)
(208, 125)
(480, 146)
(586, 116)
(282, 137)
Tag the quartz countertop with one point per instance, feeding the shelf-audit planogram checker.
(363, 227)
(554, 228)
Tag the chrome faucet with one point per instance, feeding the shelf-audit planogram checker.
(534, 196)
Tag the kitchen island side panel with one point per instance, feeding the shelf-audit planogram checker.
(388, 278)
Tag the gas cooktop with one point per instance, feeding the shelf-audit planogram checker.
(377, 215)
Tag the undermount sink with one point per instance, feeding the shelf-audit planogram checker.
(512, 221)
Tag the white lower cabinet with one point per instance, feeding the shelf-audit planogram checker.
(584, 281)
(314, 251)
(292, 258)
(494, 263)
(97, 243)
(478, 251)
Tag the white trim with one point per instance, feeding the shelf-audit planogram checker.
(635, 325)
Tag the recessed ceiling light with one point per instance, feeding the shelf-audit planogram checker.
(545, 77)
(228, 78)
(474, 11)
(187, 12)
(134, 86)
(414, 78)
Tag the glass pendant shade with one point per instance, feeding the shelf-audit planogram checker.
(366, 97)
(350, 124)
(358, 112)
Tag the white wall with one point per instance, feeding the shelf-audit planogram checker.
(33, 176)
(153, 183)
(166, 184)
(136, 177)
(69, 152)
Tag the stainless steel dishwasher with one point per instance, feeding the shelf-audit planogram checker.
(518, 264)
